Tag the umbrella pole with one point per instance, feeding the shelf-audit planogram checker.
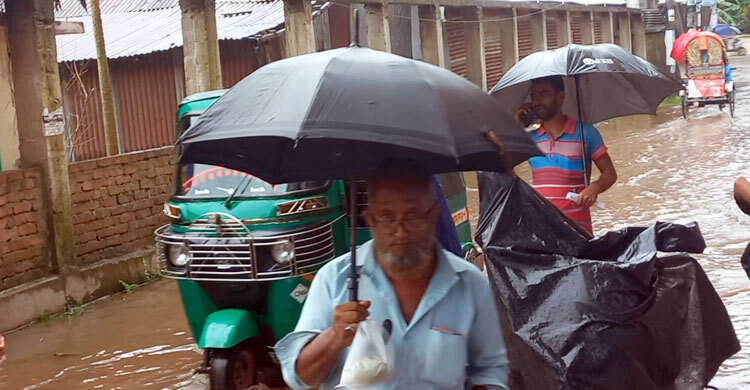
(353, 281)
(583, 140)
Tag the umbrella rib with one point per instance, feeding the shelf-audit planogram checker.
(287, 156)
(443, 111)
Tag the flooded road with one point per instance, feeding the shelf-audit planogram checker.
(669, 170)
(139, 340)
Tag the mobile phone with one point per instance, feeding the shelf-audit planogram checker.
(528, 118)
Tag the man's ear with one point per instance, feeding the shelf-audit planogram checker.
(434, 214)
(367, 215)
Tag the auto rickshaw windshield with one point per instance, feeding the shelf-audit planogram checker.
(209, 181)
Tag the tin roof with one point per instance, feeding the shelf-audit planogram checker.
(136, 27)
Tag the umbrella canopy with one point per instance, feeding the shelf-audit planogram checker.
(679, 45)
(601, 81)
(726, 30)
(340, 113)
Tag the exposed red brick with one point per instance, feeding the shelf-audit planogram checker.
(18, 244)
(104, 162)
(109, 201)
(26, 229)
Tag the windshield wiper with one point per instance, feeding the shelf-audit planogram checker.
(246, 182)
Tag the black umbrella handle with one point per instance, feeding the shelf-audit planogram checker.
(353, 281)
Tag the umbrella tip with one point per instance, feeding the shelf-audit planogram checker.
(355, 28)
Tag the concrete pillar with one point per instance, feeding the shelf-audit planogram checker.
(200, 46)
(564, 31)
(638, 29)
(38, 98)
(299, 37)
(509, 37)
(539, 31)
(10, 155)
(431, 35)
(623, 20)
(476, 66)
(587, 28)
(378, 27)
(608, 27)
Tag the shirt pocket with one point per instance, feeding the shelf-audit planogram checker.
(445, 357)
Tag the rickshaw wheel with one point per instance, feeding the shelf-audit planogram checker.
(731, 104)
(741, 51)
(233, 369)
(684, 107)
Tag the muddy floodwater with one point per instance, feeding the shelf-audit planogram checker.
(669, 170)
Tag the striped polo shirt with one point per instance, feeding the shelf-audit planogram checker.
(560, 170)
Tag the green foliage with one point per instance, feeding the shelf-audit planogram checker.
(736, 12)
(671, 101)
(73, 308)
(127, 287)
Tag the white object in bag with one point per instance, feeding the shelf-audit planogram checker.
(574, 197)
(370, 359)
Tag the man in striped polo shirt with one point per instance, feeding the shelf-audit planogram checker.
(560, 170)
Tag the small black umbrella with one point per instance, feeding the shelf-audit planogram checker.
(340, 113)
(602, 81)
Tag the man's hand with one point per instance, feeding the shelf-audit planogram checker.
(349, 315)
(587, 197)
(523, 110)
(318, 357)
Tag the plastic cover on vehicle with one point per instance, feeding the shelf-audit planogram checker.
(612, 312)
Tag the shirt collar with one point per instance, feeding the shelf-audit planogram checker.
(570, 127)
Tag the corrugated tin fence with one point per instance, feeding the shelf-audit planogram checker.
(149, 87)
(147, 90)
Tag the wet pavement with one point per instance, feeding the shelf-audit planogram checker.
(669, 170)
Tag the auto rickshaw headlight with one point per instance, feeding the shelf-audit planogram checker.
(178, 255)
(283, 252)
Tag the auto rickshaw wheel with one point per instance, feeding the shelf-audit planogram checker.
(685, 107)
(741, 51)
(233, 369)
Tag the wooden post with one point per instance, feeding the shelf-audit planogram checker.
(41, 121)
(623, 19)
(322, 25)
(539, 31)
(299, 35)
(638, 35)
(378, 27)
(10, 155)
(111, 141)
(200, 46)
(608, 27)
(476, 66)
(564, 31)
(431, 35)
(509, 37)
(399, 25)
(587, 28)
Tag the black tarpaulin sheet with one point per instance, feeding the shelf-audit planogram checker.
(613, 312)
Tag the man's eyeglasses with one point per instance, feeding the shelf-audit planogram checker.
(411, 223)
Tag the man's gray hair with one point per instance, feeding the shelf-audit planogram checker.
(398, 169)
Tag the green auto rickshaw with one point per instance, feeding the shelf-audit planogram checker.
(244, 253)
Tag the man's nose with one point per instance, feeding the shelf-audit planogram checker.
(400, 230)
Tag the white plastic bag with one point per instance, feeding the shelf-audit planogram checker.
(370, 359)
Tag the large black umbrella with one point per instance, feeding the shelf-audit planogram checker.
(602, 81)
(340, 113)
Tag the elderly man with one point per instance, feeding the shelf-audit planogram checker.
(445, 328)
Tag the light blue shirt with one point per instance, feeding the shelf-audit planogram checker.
(453, 341)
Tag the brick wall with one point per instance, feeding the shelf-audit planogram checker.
(118, 202)
(22, 227)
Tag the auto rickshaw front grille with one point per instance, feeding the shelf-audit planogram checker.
(234, 255)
